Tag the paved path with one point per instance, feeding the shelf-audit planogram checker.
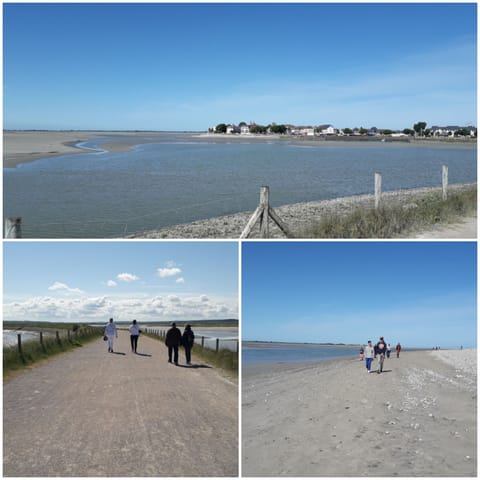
(91, 413)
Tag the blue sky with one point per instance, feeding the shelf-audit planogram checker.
(421, 294)
(192, 66)
(92, 281)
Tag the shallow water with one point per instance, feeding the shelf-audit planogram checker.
(181, 179)
(294, 353)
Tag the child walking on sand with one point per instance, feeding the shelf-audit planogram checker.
(369, 353)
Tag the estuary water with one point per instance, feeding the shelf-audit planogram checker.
(256, 353)
(182, 179)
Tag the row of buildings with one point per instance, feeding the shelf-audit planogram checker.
(328, 129)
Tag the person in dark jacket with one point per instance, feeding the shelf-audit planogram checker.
(380, 351)
(173, 340)
(188, 338)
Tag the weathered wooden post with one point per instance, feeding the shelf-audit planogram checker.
(20, 351)
(262, 212)
(378, 189)
(217, 344)
(41, 341)
(444, 181)
(203, 341)
(58, 338)
(13, 227)
(264, 205)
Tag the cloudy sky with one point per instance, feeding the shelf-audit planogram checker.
(421, 294)
(92, 281)
(192, 66)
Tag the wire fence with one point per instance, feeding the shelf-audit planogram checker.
(212, 343)
(27, 345)
(224, 204)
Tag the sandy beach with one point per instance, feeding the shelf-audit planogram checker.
(332, 418)
(301, 215)
(27, 146)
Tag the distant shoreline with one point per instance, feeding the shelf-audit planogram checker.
(30, 145)
(249, 343)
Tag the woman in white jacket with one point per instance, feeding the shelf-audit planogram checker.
(111, 333)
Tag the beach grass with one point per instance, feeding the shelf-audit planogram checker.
(225, 359)
(33, 351)
(394, 221)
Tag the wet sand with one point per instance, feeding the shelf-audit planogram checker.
(27, 146)
(418, 418)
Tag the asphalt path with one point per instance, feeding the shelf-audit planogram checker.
(92, 413)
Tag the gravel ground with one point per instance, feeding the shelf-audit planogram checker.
(92, 413)
(297, 216)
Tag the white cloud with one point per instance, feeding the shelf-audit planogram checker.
(174, 299)
(180, 280)
(99, 309)
(127, 277)
(169, 271)
(62, 287)
(111, 283)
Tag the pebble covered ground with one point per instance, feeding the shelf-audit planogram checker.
(297, 216)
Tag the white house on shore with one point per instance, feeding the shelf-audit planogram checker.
(326, 130)
(450, 131)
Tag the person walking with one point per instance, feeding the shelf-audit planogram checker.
(369, 353)
(380, 351)
(188, 338)
(389, 349)
(111, 333)
(172, 341)
(398, 348)
(134, 329)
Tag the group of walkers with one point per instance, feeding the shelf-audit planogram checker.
(381, 350)
(173, 340)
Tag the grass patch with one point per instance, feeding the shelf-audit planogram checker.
(33, 351)
(225, 359)
(394, 221)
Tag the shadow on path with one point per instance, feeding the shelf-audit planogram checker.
(194, 366)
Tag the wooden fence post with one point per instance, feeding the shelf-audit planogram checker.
(444, 181)
(203, 341)
(58, 338)
(378, 189)
(264, 205)
(20, 351)
(263, 212)
(13, 227)
(217, 344)
(41, 341)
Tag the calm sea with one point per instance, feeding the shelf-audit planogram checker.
(10, 337)
(293, 353)
(181, 179)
